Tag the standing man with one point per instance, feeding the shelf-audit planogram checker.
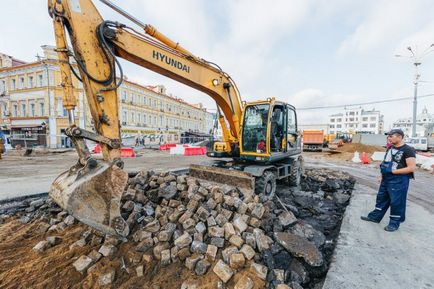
(397, 169)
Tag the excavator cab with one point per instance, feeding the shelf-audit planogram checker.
(269, 131)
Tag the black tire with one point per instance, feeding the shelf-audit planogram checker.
(294, 177)
(266, 185)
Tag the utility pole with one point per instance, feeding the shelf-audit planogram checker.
(416, 62)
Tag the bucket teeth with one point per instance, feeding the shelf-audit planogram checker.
(245, 182)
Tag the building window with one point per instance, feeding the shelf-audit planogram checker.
(124, 95)
(139, 118)
(21, 82)
(14, 84)
(124, 116)
(132, 117)
(15, 110)
(144, 100)
(372, 125)
(30, 81)
(144, 118)
(332, 120)
(365, 125)
(365, 118)
(3, 86)
(339, 126)
(373, 118)
(40, 80)
(32, 109)
(332, 126)
(23, 109)
(41, 109)
(150, 120)
(155, 120)
(339, 120)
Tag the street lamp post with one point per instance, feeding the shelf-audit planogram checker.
(416, 62)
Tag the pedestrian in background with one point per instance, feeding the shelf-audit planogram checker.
(397, 169)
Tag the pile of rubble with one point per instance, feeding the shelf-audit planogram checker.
(285, 243)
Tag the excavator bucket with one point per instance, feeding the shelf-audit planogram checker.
(93, 195)
(245, 182)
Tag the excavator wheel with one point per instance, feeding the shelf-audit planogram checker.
(266, 185)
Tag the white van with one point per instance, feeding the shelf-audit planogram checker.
(419, 143)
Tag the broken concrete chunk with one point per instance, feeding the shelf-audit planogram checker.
(198, 247)
(216, 231)
(69, 220)
(95, 256)
(190, 262)
(211, 252)
(300, 247)
(139, 271)
(240, 225)
(248, 252)
(54, 240)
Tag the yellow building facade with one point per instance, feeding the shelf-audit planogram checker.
(31, 110)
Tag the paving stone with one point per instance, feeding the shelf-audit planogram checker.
(165, 257)
(54, 240)
(226, 253)
(42, 246)
(250, 239)
(282, 286)
(107, 250)
(82, 264)
(139, 271)
(185, 216)
(260, 270)
(200, 227)
(239, 225)
(211, 221)
(237, 261)
(244, 283)
(258, 211)
(216, 231)
(183, 241)
(152, 227)
(287, 218)
(95, 256)
(190, 262)
(223, 271)
(159, 248)
(190, 284)
(211, 252)
(198, 247)
(236, 241)
(221, 220)
(107, 278)
(218, 242)
(145, 245)
(188, 224)
(202, 213)
(248, 252)
(229, 230)
(184, 253)
(69, 220)
(198, 237)
(202, 267)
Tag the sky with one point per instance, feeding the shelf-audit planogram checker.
(305, 52)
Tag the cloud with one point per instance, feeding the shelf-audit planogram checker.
(387, 22)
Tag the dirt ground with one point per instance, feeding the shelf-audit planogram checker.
(346, 152)
(21, 267)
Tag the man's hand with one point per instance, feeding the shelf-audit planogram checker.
(380, 178)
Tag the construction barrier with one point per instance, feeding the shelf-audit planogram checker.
(194, 151)
(165, 147)
(127, 153)
(365, 158)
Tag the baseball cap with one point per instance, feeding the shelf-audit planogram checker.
(396, 131)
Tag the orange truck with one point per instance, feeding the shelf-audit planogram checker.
(313, 140)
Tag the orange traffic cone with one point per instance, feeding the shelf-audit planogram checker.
(365, 158)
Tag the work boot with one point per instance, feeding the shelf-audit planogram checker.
(391, 228)
(366, 218)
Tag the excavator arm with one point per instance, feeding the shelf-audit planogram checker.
(91, 190)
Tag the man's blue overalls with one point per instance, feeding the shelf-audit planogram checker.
(392, 192)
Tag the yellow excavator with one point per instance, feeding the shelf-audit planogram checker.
(260, 143)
